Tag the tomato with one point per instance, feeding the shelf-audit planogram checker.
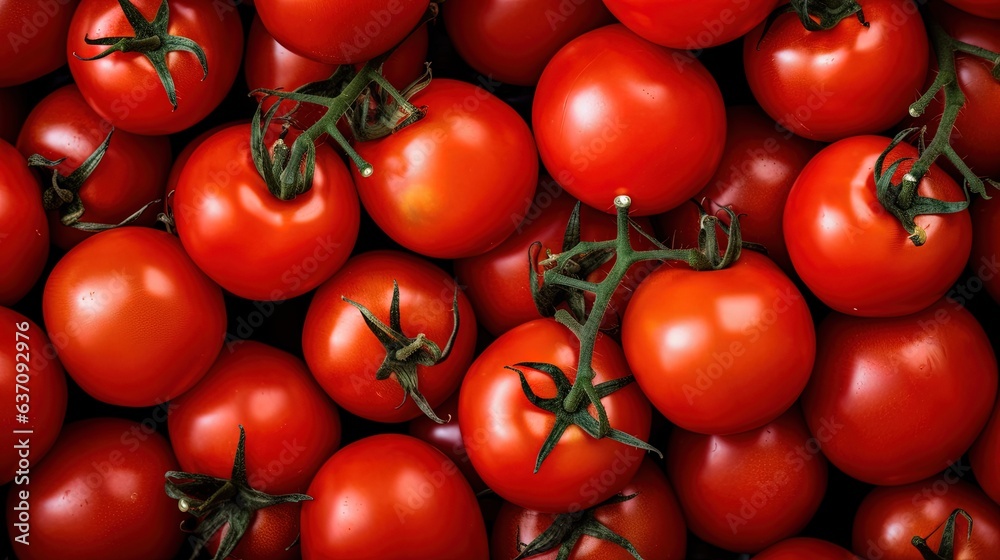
(592, 113)
(985, 247)
(123, 87)
(651, 522)
(691, 25)
(760, 163)
(890, 517)
(272, 535)
(880, 381)
(34, 34)
(850, 80)
(33, 381)
(98, 494)
(344, 354)
(131, 173)
(15, 104)
(503, 431)
(221, 201)
(796, 549)
(983, 8)
(852, 253)
(340, 31)
(419, 193)
(447, 438)
(747, 491)
(720, 352)
(391, 497)
(133, 294)
(985, 456)
(512, 40)
(23, 228)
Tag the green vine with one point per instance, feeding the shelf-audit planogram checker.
(946, 551)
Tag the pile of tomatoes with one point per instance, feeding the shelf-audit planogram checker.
(574, 279)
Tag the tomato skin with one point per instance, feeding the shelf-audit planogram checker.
(747, 491)
(44, 391)
(124, 89)
(271, 535)
(447, 438)
(419, 193)
(344, 355)
(986, 244)
(133, 293)
(99, 494)
(985, 456)
(221, 201)
(852, 253)
(512, 40)
(796, 549)
(591, 116)
(982, 8)
(847, 81)
(34, 34)
(935, 368)
(691, 25)
(890, 516)
(748, 350)
(366, 505)
(23, 227)
(503, 431)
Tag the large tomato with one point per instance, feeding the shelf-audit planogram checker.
(799, 548)
(592, 116)
(124, 88)
(682, 24)
(34, 38)
(133, 294)
(504, 432)
(391, 497)
(24, 233)
(853, 79)
(720, 352)
(420, 193)
(852, 253)
(984, 8)
(878, 382)
(985, 457)
(985, 246)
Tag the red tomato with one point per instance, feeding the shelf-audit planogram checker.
(747, 491)
(850, 80)
(273, 534)
(34, 38)
(130, 174)
(592, 113)
(15, 108)
(985, 248)
(123, 87)
(512, 40)
(503, 431)
(392, 497)
(419, 193)
(99, 494)
(33, 382)
(221, 201)
(694, 26)
(797, 549)
(23, 228)
(447, 438)
(651, 522)
(341, 31)
(720, 352)
(877, 382)
(983, 8)
(985, 456)
(133, 294)
(852, 253)
(344, 354)
(890, 517)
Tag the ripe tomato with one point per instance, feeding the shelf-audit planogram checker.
(419, 193)
(720, 352)
(797, 549)
(133, 294)
(592, 113)
(985, 456)
(341, 31)
(131, 173)
(221, 201)
(391, 497)
(447, 438)
(691, 25)
(99, 494)
(512, 40)
(983, 8)
(23, 229)
(503, 431)
(850, 80)
(852, 253)
(986, 244)
(344, 354)
(747, 491)
(273, 534)
(34, 38)
(879, 381)
(33, 381)
(123, 87)
(651, 522)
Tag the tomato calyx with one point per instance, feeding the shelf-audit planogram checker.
(568, 528)
(217, 503)
(946, 551)
(816, 15)
(404, 354)
(153, 40)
